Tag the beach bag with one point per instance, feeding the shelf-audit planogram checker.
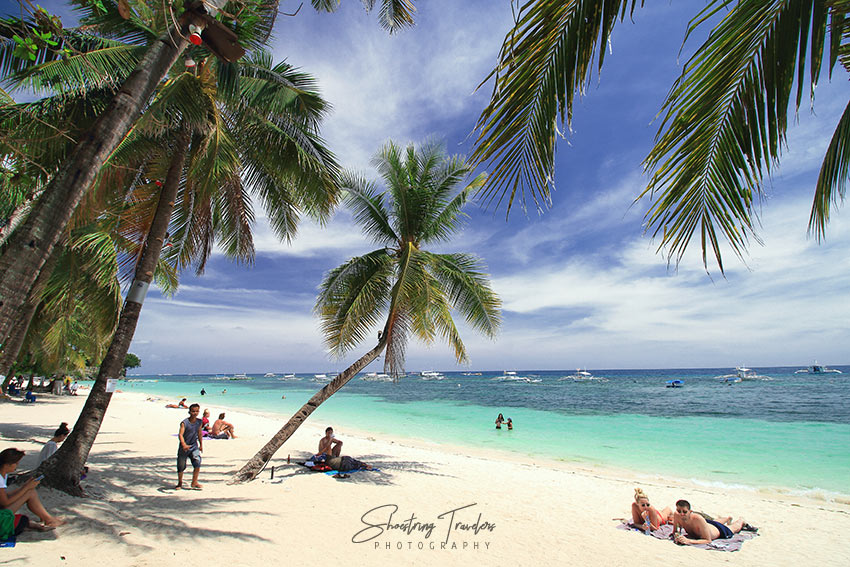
(7, 524)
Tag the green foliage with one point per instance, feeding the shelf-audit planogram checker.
(131, 361)
(415, 290)
(724, 120)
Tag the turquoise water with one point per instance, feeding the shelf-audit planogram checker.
(788, 433)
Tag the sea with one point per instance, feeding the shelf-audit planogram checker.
(786, 432)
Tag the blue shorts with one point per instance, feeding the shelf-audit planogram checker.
(725, 532)
(193, 455)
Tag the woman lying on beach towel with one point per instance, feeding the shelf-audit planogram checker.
(646, 516)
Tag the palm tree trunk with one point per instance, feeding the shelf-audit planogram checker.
(258, 462)
(12, 347)
(17, 217)
(29, 247)
(63, 470)
(4, 389)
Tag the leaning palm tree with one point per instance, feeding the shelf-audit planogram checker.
(724, 120)
(411, 289)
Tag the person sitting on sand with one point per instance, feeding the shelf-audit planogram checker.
(329, 444)
(205, 423)
(644, 515)
(699, 530)
(180, 404)
(53, 445)
(26, 494)
(222, 429)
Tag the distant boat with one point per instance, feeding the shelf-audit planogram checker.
(375, 377)
(675, 383)
(288, 377)
(322, 378)
(269, 375)
(514, 378)
(239, 377)
(510, 373)
(580, 376)
(431, 375)
(742, 373)
(818, 369)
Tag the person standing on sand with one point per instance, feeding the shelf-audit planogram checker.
(26, 494)
(191, 446)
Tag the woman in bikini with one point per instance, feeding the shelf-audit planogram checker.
(642, 511)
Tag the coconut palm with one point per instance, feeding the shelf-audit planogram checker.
(411, 289)
(724, 119)
(203, 140)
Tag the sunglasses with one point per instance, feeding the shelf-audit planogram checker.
(647, 505)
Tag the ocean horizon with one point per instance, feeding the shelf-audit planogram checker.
(782, 431)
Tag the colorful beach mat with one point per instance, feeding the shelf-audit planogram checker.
(665, 532)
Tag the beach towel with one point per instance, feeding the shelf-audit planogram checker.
(666, 532)
(333, 472)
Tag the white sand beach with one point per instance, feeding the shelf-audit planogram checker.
(537, 510)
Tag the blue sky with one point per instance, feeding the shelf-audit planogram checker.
(581, 284)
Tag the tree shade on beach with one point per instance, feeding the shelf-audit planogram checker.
(414, 288)
(724, 120)
(262, 128)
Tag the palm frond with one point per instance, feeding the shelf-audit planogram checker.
(545, 60)
(352, 298)
(367, 206)
(832, 180)
(468, 289)
(725, 122)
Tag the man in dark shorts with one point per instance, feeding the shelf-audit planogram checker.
(191, 446)
(699, 529)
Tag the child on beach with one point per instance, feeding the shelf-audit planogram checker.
(26, 494)
(191, 446)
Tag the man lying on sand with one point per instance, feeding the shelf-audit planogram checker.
(26, 494)
(699, 530)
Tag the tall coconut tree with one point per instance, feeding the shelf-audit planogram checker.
(261, 128)
(411, 289)
(724, 120)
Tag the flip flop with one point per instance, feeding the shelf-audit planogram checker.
(342, 475)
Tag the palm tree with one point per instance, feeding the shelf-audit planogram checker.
(261, 127)
(724, 120)
(413, 290)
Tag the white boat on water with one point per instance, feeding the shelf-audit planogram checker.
(322, 378)
(375, 377)
(514, 378)
(580, 376)
(286, 377)
(818, 369)
(239, 377)
(269, 375)
(742, 373)
(431, 375)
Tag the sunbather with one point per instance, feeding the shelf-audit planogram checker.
(181, 404)
(646, 516)
(222, 429)
(700, 530)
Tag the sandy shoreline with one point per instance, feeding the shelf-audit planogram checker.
(526, 512)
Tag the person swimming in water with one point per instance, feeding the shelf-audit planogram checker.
(499, 421)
